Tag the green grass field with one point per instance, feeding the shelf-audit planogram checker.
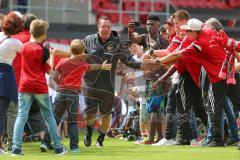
(116, 149)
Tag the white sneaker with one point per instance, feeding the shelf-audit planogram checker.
(163, 140)
(194, 142)
(2, 152)
(170, 142)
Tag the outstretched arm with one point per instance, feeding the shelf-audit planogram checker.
(103, 66)
(169, 59)
(164, 77)
(134, 37)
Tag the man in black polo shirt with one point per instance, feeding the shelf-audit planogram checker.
(99, 89)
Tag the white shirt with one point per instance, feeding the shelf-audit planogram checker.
(9, 49)
(140, 82)
(175, 78)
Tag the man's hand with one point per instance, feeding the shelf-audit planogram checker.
(148, 64)
(52, 51)
(106, 66)
(131, 26)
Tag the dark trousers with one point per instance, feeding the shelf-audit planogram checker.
(4, 103)
(188, 96)
(66, 101)
(171, 126)
(217, 95)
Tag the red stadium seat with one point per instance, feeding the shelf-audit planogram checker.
(158, 6)
(98, 4)
(64, 41)
(52, 40)
(128, 5)
(144, 6)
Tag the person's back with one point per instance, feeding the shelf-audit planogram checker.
(72, 71)
(33, 86)
(33, 75)
(210, 57)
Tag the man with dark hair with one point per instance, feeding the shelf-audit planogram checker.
(99, 91)
(150, 41)
(188, 94)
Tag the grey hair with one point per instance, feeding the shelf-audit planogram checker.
(214, 23)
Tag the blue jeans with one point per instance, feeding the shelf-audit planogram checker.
(25, 101)
(193, 124)
(231, 119)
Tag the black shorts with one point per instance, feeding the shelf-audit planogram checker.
(98, 100)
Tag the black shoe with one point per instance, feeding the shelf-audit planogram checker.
(100, 139)
(182, 142)
(232, 142)
(9, 148)
(45, 147)
(88, 136)
(50, 147)
(17, 152)
(61, 151)
(215, 144)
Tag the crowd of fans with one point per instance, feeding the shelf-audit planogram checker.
(156, 88)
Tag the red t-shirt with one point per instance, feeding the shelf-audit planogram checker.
(33, 70)
(23, 37)
(174, 43)
(193, 65)
(71, 73)
(210, 57)
(180, 65)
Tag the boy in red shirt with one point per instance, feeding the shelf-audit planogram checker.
(33, 86)
(68, 75)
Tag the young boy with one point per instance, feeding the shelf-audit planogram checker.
(33, 86)
(68, 76)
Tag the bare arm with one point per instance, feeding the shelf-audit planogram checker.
(135, 38)
(170, 58)
(56, 77)
(95, 67)
(161, 53)
(164, 77)
(103, 66)
(169, 72)
(61, 53)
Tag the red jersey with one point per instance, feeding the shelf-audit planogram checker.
(174, 43)
(23, 37)
(71, 72)
(193, 66)
(211, 58)
(181, 66)
(33, 69)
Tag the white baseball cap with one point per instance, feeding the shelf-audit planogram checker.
(193, 25)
